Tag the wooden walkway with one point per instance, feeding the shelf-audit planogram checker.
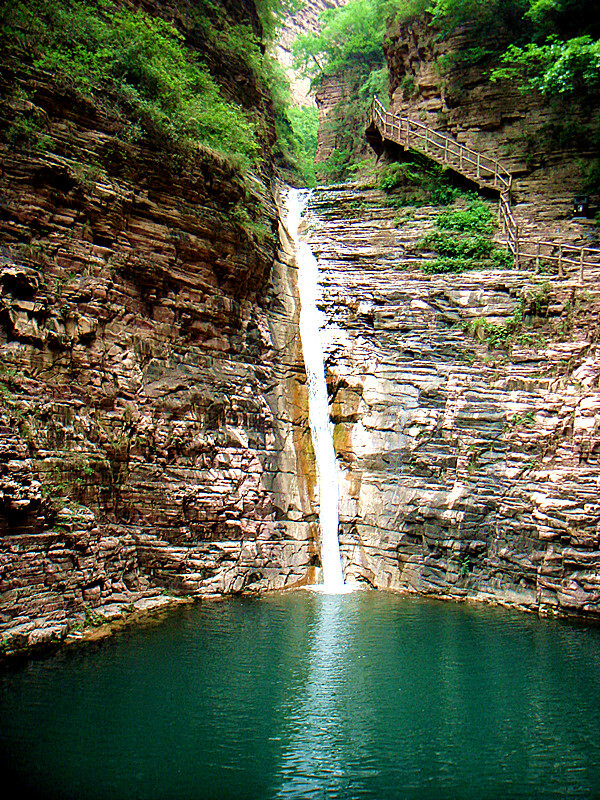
(485, 172)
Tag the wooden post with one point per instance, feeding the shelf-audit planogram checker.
(537, 258)
(478, 166)
(581, 266)
(461, 157)
(560, 264)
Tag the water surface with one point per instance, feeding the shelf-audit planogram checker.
(304, 695)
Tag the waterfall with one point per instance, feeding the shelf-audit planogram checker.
(318, 405)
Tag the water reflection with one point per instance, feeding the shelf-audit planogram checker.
(327, 719)
(308, 695)
(406, 699)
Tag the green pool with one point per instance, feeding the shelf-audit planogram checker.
(303, 695)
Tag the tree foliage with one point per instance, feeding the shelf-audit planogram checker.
(561, 53)
(555, 67)
(141, 61)
(532, 19)
(351, 36)
(555, 45)
(350, 43)
(450, 13)
(305, 126)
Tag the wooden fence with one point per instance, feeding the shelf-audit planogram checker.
(486, 172)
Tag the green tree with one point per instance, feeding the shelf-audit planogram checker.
(350, 37)
(305, 125)
(554, 67)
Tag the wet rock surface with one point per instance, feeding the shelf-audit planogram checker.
(467, 470)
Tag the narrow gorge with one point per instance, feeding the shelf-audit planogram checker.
(154, 403)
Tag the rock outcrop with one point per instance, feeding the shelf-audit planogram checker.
(443, 81)
(152, 388)
(469, 464)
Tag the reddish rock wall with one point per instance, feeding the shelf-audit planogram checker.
(152, 397)
(341, 124)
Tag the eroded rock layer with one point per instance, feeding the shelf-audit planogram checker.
(548, 144)
(153, 402)
(469, 464)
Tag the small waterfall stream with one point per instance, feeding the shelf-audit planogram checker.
(320, 425)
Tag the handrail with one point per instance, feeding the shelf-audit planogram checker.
(510, 225)
(560, 254)
(485, 171)
(440, 147)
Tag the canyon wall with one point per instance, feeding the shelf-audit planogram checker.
(469, 466)
(305, 20)
(341, 123)
(152, 390)
(549, 144)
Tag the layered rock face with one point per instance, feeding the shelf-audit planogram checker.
(469, 469)
(337, 121)
(549, 145)
(153, 401)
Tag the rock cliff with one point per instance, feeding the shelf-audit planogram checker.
(341, 123)
(153, 408)
(305, 20)
(153, 402)
(548, 144)
(469, 465)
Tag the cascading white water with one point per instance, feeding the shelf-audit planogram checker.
(318, 406)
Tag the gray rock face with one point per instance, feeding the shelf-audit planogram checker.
(466, 471)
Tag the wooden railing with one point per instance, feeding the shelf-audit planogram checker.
(486, 172)
(567, 258)
(510, 226)
(440, 147)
